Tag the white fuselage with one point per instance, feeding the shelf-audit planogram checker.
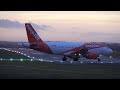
(59, 47)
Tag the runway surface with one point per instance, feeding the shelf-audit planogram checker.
(39, 56)
(45, 66)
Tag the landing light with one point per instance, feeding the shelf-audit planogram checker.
(91, 62)
(28, 56)
(71, 61)
(61, 61)
(51, 61)
(75, 54)
(33, 57)
(81, 62)
(101, 62)
(79, 54)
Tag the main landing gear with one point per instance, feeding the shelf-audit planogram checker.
(76, 59)
(64, 58)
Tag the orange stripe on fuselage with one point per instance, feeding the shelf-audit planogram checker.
(88, 46)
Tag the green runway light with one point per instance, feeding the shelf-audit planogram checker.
(40, 60)
(21, 59)
(11, 59)
(31, 59)
(0, 58)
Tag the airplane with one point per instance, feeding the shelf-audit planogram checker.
(91, 50)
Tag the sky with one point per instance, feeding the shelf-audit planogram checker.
(69, 26)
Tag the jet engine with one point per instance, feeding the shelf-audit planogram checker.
(91, 56)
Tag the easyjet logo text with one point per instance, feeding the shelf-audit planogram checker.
(92, 46)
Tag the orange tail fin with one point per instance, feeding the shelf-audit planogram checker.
(33, 37)
(35, 41)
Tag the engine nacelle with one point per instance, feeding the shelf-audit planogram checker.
(91, 56)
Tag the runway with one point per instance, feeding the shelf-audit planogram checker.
(45, 66)
(45, 70)
(43, 57)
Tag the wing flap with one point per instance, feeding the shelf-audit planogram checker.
(81, 50)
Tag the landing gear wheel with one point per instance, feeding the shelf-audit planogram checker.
(64, 58)
(76, 59)
(98, 59)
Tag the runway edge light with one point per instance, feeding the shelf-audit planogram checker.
(21, 59)
(41, 60)
(31, 59)
(11, 59)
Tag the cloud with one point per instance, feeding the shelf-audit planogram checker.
(95, 34)
(5, 23)
(41, 27)
(98, 36)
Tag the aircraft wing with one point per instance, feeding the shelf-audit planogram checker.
(77, 50)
